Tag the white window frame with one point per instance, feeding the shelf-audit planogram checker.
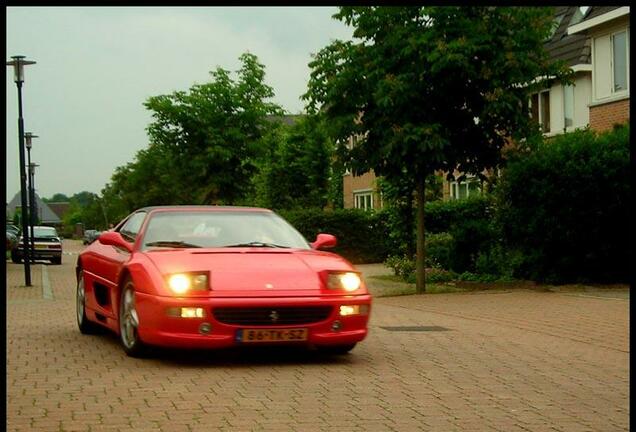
(613, 95)
(360, 201)
(454, 187)
(540, 110)
(613, 91)
(567, 128)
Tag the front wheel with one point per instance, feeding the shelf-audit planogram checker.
(85, 326)
(129, 322)
(15, 258)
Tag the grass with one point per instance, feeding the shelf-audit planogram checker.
(391, 286)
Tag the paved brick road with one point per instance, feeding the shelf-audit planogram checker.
(519, 361)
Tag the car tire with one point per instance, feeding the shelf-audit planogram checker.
(56, 261)
(15, 258)
(337, 349)
(85, 326)
(129, 322)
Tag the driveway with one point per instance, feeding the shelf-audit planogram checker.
(505, 361)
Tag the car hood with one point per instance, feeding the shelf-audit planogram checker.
(253, 271)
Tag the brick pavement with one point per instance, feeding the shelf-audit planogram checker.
(516, 361)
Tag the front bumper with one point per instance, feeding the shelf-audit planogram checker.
(43, 254)
(156, 327)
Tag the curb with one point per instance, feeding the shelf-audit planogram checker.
(47, 293)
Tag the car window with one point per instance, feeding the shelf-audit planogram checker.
(131, 228)
(39, 231)
(221, 229)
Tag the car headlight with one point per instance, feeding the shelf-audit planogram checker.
(180, 283)
(348, 281)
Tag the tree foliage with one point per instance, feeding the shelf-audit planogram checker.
(431, 88)
(298, 169)
(207, 141)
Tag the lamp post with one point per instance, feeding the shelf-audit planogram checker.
(18, 64)
(32, 204)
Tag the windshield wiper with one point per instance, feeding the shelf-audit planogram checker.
(171, 243)
(256, 244)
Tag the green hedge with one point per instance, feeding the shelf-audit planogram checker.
(465, 229)
(564, 208)
(362, 236)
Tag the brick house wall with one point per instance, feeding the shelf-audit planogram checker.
(605, 116)
(351, 184)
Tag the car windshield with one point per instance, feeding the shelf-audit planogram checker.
(211, 229)
(44, 232)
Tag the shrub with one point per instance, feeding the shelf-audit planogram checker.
(403, 267)
(459, 230)
(441, 216)
(498, 261)
(439, 275)
(474, 277)
(565, 208)
(362, 236)
(439, 249)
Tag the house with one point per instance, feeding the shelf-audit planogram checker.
(45, 214)
(59, 208)
(594, 43)
(607, 30)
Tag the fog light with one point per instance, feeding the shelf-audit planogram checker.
(186, 312)
(205, 328)
(346, 310)
(349, 310)
(192, 313)
(337, 325)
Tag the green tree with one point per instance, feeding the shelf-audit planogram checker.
(58, 197)
(431, 88)
(206, 143)
(298, 169)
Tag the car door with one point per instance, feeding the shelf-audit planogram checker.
(107, 262)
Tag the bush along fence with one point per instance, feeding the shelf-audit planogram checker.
(362, 236)
(558, 214)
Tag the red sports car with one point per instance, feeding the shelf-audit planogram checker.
(209, 276)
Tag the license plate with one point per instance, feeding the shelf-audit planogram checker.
(41, 246)
(271, 335)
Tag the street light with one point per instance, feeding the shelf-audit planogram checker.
(18, 64)
(32, 204)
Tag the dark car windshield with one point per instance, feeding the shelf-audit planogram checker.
(203, 229)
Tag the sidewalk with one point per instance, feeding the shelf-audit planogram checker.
(16, 290)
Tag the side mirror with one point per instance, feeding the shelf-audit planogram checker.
(114, 239)
(324, 241)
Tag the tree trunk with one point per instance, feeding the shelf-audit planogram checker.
(409, 222)
(421, 248)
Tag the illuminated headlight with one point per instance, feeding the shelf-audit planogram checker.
(348, 281)
(346, 310)
(180, 283)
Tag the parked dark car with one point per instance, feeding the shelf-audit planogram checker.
(12, 240)
(13, 230)
(47, 243)
(90, 236)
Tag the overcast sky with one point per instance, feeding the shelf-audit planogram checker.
(96, 66)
